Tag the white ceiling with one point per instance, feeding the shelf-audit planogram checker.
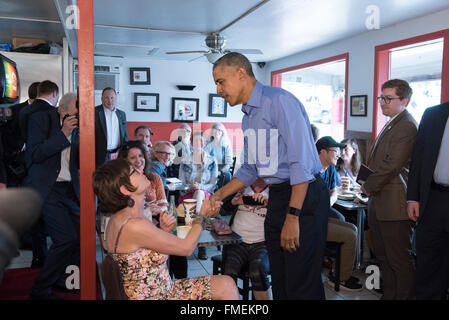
(279, 27)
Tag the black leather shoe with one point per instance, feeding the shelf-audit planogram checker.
(45, 296)
(202, 253)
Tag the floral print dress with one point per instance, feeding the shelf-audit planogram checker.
(146, 277)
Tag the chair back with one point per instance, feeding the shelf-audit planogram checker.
(112, 279)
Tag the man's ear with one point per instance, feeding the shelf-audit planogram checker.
(124, 191)
(404, 102)
(241, 72)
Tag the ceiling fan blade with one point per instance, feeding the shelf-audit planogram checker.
(245, 51)
(196, 58)
(181, 52)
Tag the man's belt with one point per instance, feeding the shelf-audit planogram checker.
(440, 187)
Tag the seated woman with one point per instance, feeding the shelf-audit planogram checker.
(348, 165)
(140, 249)
(199, 172)
(155, 200)
(219, 146)
(248, 222)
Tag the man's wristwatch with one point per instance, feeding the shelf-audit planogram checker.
(294, 211)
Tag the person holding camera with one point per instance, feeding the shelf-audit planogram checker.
(250, 207)
(53, 144)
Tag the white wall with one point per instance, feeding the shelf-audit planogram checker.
(165, 75)
(361, 58)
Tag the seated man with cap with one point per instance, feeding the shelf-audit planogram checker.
(337, 229)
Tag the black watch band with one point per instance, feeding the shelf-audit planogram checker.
(294, 211)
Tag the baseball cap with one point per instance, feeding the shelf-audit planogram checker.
(328, 142)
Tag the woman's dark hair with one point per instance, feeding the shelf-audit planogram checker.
(106, 182)
(124, 150)
(356, 160)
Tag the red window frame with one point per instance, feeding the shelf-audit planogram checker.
(276, 76)
(381, 71)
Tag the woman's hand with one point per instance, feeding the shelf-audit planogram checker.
(167, 221)
(259, 197)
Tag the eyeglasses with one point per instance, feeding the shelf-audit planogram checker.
(386, 100)
(337, 151)
(168, 154)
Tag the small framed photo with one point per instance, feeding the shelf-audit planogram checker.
(139, 75)
(146, 102)
(218, 106)
(359, 106)
(185, 109)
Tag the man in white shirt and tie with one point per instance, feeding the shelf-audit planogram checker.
(110, 127)
(428, 203)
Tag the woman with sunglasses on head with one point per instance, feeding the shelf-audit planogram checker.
(219, 146)
(141, 250)
(155, 200)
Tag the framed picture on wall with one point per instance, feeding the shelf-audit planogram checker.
(146, 102)
(218, 106)
(185, 109)
(359, 106)
(139, 75)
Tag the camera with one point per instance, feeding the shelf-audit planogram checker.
(248, 200)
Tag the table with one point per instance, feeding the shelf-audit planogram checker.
(360, 208)
(210, 238)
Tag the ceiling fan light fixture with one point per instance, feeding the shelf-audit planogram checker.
(213, 56)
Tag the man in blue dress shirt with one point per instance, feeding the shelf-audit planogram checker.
(279, 147)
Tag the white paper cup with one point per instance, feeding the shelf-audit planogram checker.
(182, 231)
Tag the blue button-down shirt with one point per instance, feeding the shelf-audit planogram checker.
(278, 142)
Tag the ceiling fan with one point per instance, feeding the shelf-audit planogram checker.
(216, 42)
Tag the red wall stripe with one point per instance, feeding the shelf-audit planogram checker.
(167, 131)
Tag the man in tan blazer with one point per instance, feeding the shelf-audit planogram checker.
(388, 221)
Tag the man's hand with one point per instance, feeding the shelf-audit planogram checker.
(215, 205)
(69, 124)
(2, 186)
(290, 233)
(362, 187)
(413, 210)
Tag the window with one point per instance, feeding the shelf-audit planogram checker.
(420, 65)
(321, 86)
(422, 61)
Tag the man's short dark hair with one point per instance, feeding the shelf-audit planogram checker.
(235, 59)
(32, 90)
(107, 89)
(402, 87)
(47, 87)
(143, 127)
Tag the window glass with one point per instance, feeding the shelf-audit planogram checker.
(420, 65)
(321, 89)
